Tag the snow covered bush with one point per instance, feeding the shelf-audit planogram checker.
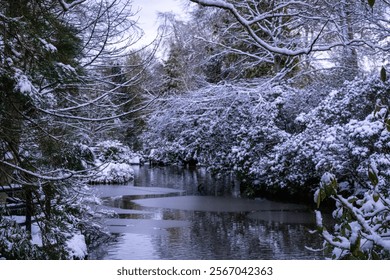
(113, 173)
(362, 214)
(277, 139)
(212, 126)
(113, 163)
(113, 150)
(341, 134)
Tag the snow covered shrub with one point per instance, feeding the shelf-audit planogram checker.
(113, 163)
(113, 173)
(295, 102)
(355, 137)
(272, 137)
(341, 134)
(113, 150)
(212, 126)
(362, 229)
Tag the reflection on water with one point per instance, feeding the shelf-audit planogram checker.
(164, 214)
(216, 204)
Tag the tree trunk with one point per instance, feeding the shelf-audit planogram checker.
(29, 207)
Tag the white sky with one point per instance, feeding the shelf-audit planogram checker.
(148, 13)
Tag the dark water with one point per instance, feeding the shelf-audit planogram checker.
(176, 213)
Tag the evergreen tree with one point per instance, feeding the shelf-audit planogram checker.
(49, 55)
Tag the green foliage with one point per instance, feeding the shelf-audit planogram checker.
(383, 74)
(373, 176)
(54, 226)
(328, 187)
(15, 242)
(361, 226)
(40, 54)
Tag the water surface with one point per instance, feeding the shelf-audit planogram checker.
(177, 213)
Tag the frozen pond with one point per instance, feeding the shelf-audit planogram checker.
(177, 213)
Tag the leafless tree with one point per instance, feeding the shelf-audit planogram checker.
(282, 30)
(53, 84)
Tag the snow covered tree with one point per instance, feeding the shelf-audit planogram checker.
(50, 59)
(33, 71)
(225, 127)
(183, 60)
(291, 34)
(138, 72)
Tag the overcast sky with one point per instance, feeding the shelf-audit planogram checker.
(149, 10)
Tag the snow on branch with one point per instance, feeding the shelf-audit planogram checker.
(108, 118)
(260, 20)
(67, 6)
(67, 174)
